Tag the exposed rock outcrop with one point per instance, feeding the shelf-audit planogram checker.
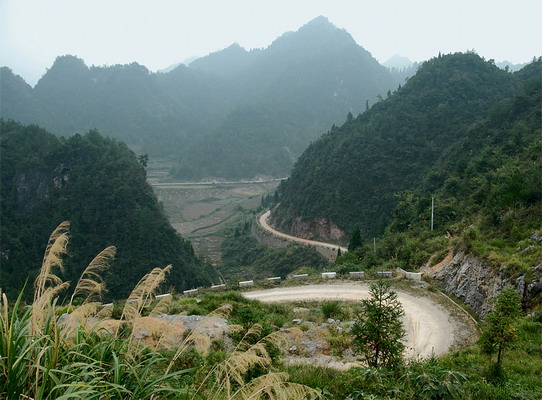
(32, 187)
(469, 279)
(477, 283)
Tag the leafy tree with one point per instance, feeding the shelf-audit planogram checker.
(499, 329)
(143, 160)
(378, 330)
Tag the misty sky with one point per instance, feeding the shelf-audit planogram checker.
(159, 33)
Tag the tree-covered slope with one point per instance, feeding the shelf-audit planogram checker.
(487, 191)
(16, 97)
(354, 173)
(100, 187)
(232, 114)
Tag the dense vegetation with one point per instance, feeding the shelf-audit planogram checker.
(232, 114)
(244, 258)
(475, 150)
(487, 191)
(98, 185)
(352, 175)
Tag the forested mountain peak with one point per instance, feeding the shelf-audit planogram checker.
(65, 68)
(8, 77)
(317, 34)
(14, 87)
(16, 96)
(231, 60)
(352, 174)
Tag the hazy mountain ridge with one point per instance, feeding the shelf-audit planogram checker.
(397, 61)
(304, 82)
(296, 101)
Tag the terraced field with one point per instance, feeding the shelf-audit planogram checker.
(199, 212)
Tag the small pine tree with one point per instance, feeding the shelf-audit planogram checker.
(355, 240)
(378, 331)
(499, 328)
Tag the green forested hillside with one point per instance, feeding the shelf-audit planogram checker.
(356, 174)
(99, 186)
(484, 172)
(232, 114)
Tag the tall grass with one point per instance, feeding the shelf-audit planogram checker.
(41, 358)
(87, 364)
(46, 357)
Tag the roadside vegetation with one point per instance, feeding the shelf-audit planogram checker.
(243, 257)
(50, 360)
(46, 356)
(67, 351)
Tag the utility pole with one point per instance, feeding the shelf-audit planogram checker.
(374, 245)
(432, 211)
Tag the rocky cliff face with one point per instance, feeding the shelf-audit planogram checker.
(477, 283)
(321, 229)
(32, 187)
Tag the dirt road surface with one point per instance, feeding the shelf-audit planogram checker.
(431, 328)
(263, 222)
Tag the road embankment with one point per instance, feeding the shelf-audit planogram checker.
(328, 250)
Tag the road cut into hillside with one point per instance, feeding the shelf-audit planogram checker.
(265, 225)
(431, 328)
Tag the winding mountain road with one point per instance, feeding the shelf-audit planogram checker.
(265, 225)
(431, 328)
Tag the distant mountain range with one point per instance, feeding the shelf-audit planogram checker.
(398, 62)
(231, 114)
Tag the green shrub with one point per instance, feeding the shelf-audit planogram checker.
(347, 267)
(339, 342)
(332, 309)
